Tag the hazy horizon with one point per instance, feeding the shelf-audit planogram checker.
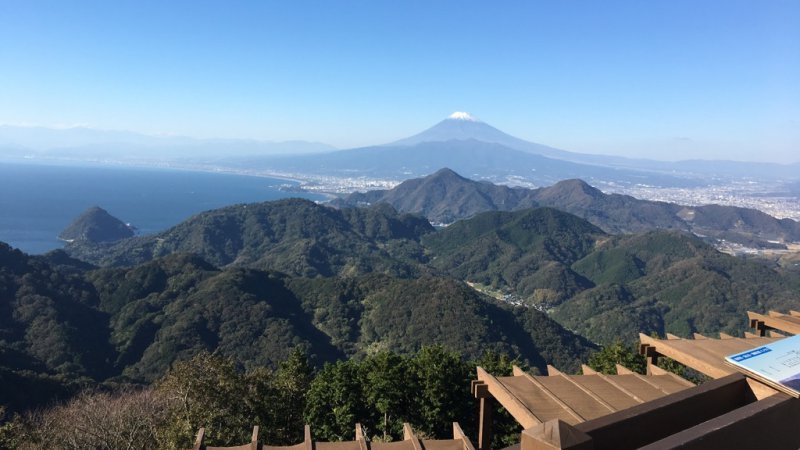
(670, 81)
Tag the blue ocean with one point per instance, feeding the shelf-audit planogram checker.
(38, 201)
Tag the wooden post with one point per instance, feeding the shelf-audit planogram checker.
(485, 423)
(555, 435)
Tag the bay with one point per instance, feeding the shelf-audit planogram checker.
(38, 201)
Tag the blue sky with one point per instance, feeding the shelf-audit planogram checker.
(658, 79)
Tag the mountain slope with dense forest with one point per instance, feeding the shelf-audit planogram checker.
(293, 236)
(132, 323)
(445, 197)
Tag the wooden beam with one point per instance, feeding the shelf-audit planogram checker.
(671, 337)
(458, 434)
(642, 424)
(749, 335)
(519, 411)
(480, 389)
(308, 444)
(692, 360)
(586, 370)
(254, 439)
(516, 371)
(760, 390)
(775, 320)
(199, 441)
(698, 336)
(725, 336)
(794, 313)
(408, 435)
(775, 334)
(554, 434)
(552, 371)
(768, 423)
(622, 370)
(359, 432)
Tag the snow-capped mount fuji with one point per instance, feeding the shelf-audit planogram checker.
(463, 126)
(465, 144)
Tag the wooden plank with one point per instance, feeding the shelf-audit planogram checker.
(698, 359)
(652, 369)
(517, 409)
(621, 388)
(775, 334)
(794, 313)
(516, 371)
(699, 336)
(554, 397)
(725, 336)
(576, 382)
(586, 370)
(768, 423)
(606, 391)
(671, 337)
(458, 434)
(552, 371)
(622, 370)
(643, 424)
(775, 314)
(749, 335)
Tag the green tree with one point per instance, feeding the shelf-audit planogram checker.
(606, 359)
(291, 382)
(441, 381)
(336, 401)
(386, 389)
(206, 391)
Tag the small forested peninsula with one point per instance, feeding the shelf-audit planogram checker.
(96, 225)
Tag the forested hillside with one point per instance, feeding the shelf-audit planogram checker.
(445, 196)
(253, 282)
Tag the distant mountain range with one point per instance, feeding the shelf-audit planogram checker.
(479, 150)
(90, 143)
(461, 142)
(445, 197)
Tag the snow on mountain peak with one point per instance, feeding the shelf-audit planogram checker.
(459, 115)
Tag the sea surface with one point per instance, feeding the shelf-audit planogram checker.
(38, 201)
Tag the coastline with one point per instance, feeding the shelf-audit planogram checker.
(327, 186)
